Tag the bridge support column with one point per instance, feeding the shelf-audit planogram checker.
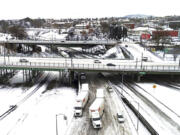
(132, 77)
(26, 75)
(30, 77)
(172, 77)
(23, 75)
(0, 73)
(60, 76)
(138, 78)
(71, 77)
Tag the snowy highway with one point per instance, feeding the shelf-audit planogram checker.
(155, 112)
(37, 110)
(83, 126)
(43, 111)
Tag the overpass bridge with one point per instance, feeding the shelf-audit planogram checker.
(130, 67)
(62, 43)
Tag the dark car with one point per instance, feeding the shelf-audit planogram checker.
(145, 59)
(23, 60)
(110, 64)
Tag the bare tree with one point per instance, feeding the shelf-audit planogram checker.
(18, 32)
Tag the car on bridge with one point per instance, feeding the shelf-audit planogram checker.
(110, 64)
(23, 60)
(145, 59)
(97, 61)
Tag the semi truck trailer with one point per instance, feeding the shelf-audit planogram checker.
(96, 110)
(81, 100)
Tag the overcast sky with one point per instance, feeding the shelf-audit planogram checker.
(18, 9)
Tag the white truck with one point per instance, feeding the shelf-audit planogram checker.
(96, 110)
(81, 100)
(85, 87)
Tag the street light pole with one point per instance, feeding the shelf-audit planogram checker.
(65, 118)
(56, 125)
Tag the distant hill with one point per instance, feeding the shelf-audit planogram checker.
(137, 16)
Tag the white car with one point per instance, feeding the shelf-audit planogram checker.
(97, 61)
(120, 118)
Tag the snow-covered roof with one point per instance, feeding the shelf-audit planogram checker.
(144, 29)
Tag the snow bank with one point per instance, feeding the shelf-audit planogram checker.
(114, 52)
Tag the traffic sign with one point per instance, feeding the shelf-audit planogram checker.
(165, 50)
(153, 49)
(142, 73)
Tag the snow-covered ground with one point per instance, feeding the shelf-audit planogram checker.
(138, 52)
(4, 36)
(45, 34)
(114, 52)
(168, 57)
(168, 96)
(158, 119)
(37, 114)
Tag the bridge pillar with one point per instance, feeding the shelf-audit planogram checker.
(23, 75)
(30, 75)
(138, 78)
(60, 76)
(26, 75)
(71, 77)
(132, 77)
(172, 77)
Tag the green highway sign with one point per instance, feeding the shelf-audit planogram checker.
(165, 50)
(142, 73)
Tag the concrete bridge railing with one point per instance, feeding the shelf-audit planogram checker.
(91, 67)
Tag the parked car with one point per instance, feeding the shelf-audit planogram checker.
(23, 60)
(97, 61)
(110, 64)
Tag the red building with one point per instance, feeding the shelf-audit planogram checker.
(130, 25)
(145, 36)
(172, 33)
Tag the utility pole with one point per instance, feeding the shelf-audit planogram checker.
(65, 118)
